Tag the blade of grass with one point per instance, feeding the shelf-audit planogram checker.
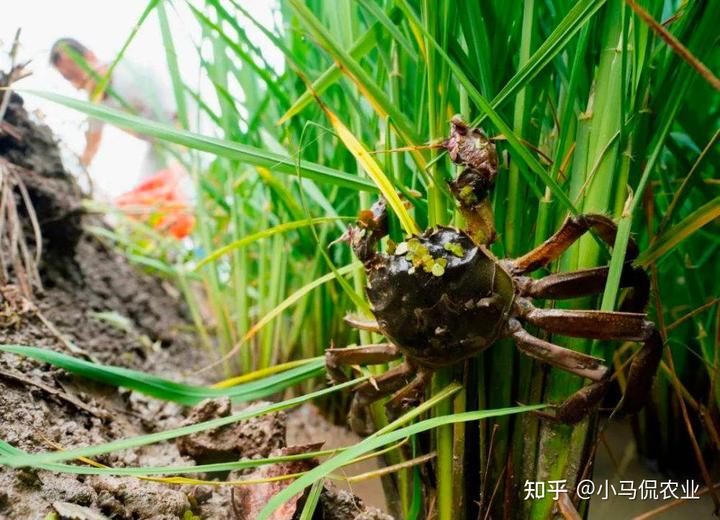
(372, 168)
(250, 239)
(679, 232)
(391, 27)
(376, 441)
(329, 77)
(311, 501)
(36, 459)
(173, 67)
(681, 192)
(220, 467)
(102, 85)
(373, 93)
(576, 18)
(263, 372)
(279, 309)
(354, 295)
(219, 147)
(675, 45)
(166, 389)
(264, 74)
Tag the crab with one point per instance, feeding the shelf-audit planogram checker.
(442, 297)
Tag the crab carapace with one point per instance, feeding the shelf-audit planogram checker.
(441, 297)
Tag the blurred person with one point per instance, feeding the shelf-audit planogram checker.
(130, 88)
(158, 198)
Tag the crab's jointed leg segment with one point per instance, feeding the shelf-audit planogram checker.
(640, 377)
(566, 359)
(371, 228)
(404, 382)
(608, 326)
(582, 402)
(576, 407)
(591, 324)
(363, 355)
(362, 324)
(413, 392)
(571, 230)
(585, 282)
(479, 222)
(370, 391)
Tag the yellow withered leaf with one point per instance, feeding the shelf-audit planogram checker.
(374, 171)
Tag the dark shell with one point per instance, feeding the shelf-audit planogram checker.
(440, 320)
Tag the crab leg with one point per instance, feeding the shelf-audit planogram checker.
(612, 326)
(641, 374)
(576, 407)
(362, 324)
(571, 230)
(579, 404)
(370, 391)
(412, 391)
(371, 228)
(639, 382)
(590, 324)
(363, 355)
(566, 359)
(585, 282)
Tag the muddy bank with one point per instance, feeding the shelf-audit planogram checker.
(57, 286)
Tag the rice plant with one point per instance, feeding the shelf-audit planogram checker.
(597, 106)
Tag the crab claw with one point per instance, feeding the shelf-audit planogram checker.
(458, 130)
(368, 220)
(470, 147)
(470, 188)
(376, 217)
(371, 227)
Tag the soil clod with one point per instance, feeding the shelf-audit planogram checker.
(255, 437)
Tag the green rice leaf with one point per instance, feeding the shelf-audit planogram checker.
(679, 232)
(390, 27)
(311, 501)
(7, 449)
(37, 459)
(370, 89)
(265, 233)
(165, 389)
(330, 76)
(376, 441)
(219, 147)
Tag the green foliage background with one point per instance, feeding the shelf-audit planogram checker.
(597, 114)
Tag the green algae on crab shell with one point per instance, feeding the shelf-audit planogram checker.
(420, 256)
(467, 196)
(454, 248)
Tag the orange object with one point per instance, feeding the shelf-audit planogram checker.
(161, 202)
